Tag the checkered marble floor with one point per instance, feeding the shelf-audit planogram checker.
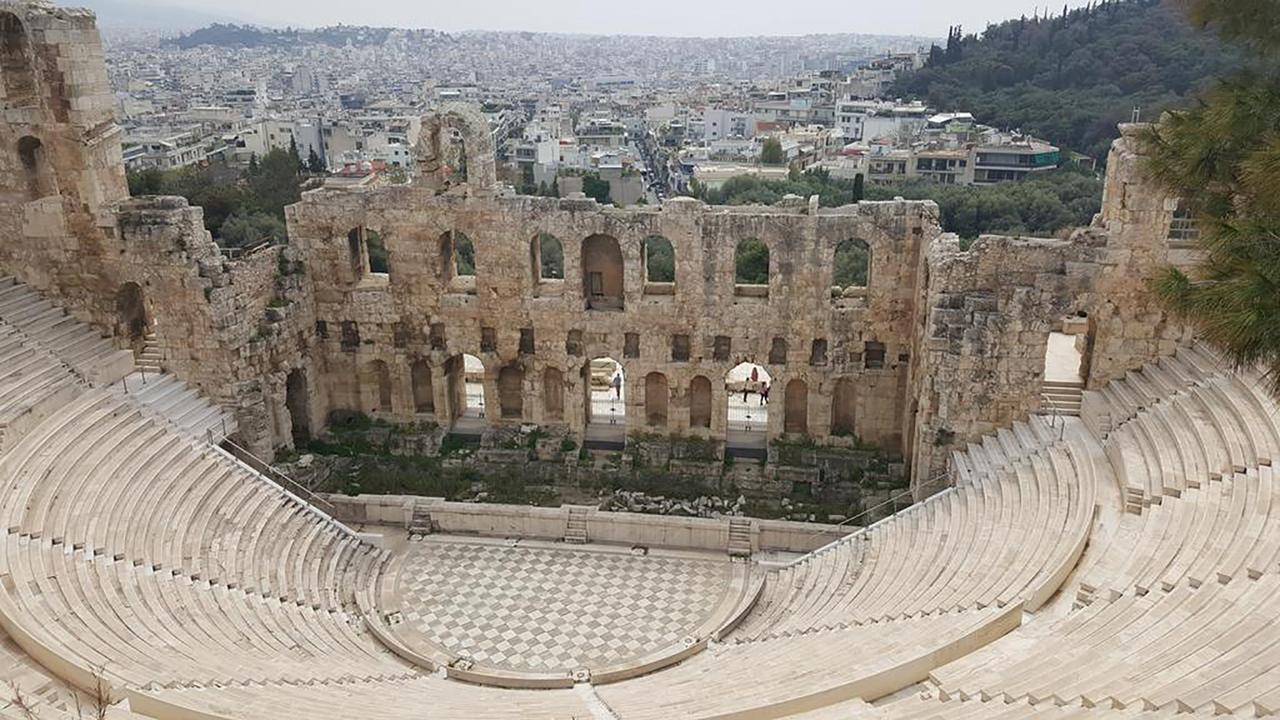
(547, 609)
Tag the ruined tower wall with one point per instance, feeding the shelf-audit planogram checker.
(1130, 327)
(60, 155)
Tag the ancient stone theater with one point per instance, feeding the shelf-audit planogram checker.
(1091, 536)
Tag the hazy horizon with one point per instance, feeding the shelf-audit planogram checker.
(668, 18)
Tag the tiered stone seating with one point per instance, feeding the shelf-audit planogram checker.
(1209, 649)
(776, 677)
(87, 353)
(180, 404)
(1009, 531)
(101, 475)
(32, 383)
(393, 699)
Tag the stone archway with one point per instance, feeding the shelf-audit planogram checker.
(132, 319)
(842, 407)
(700, 402)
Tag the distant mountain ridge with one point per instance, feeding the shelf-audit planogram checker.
(1071, 78)
(235, 35)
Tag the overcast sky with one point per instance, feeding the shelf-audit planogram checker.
(645, 17)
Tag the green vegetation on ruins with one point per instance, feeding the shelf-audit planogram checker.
(1223, 159)
(1071, 78)
(1045, 205)
(241, 208)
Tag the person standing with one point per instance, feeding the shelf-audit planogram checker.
(617, 386)
(764, 394)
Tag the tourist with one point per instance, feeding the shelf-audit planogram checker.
(617, 386)
(764, 394)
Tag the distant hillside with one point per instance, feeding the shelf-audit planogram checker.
(226, 35)
(1072, 78)
(146, 16)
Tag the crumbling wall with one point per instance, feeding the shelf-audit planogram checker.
(1129, 326)
(701, 327)
(982, 348)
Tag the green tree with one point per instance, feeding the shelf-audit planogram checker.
(315, 163)
(147, 181)
(771, 152)
(859, 189)
(594, 187)
(1223, 159)
(251, 229)
(751, 263)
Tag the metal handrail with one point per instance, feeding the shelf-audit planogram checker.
(931, 482)
(292, 485)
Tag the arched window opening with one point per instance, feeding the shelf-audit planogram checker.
(376, 251)
(377, 387)
(511, 391)
(751, 268)
(548, 257)
(656, 396)
(842, 404)
(659, 266)
(456, 156)
(457, 261)
(602, 273)
(795, 416)
(424, 400)
(356, 252)
(16, 63)
(851, 269)
(552, 395)
(699, 402)
(297, 402)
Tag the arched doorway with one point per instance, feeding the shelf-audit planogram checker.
(605, 402)
(700, 402)
(795, 414)
(464, 386)
(602, 273)
(298, 404)
(132, 319)
(424, 401)
(842, 405)
(511, 392)
(656, 397)
(747, 386)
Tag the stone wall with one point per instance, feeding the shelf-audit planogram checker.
(510, 521)
(939, 347)
(420, 310)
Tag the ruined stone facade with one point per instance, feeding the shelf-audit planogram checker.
(940, 346)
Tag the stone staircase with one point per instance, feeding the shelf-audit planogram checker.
(151, 359)
(575, 531)
(420, 522)
(739, 537)
(1061, 398)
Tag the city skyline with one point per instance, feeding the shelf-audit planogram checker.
(717, 18)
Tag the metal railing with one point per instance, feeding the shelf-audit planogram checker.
(937, 480)
(269, 471)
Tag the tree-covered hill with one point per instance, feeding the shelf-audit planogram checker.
(230, 35)
(1071, 78)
